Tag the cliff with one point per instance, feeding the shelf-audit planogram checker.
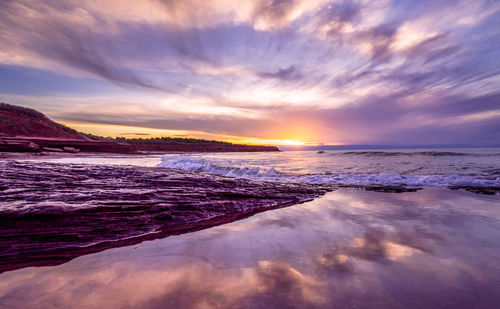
(27, 130)
(22, 121)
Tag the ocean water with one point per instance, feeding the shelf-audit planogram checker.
(420, 167)
(411, 167)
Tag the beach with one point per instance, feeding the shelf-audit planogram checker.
(350, 248)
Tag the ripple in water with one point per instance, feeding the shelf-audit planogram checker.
(457, 167)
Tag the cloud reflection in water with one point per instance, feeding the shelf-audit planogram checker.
(431, 248)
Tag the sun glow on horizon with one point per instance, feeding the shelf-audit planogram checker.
(289, 142)
(294, 143)
(142, 132)
(261, 141)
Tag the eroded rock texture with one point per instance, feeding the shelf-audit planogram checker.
(51, 213)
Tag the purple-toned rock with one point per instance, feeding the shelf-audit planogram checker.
(50, 149)
(7, 145)
(51, 213)
(116, 147)
(71, 150)
(81, 145)
(22, 121)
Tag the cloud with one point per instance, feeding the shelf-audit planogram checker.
(130, 133)
(66, 37)
(375, 120)
(274, 14)
(353, 71)
(190, 284)
(378, 41)
(287, 74)
(334, 20)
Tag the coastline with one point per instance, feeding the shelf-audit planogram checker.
(87, 157)
(52, 212)
(35, 144)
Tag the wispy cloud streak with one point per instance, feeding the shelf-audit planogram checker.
(351, 71)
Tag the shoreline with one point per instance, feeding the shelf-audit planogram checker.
(34, 144)
(40, 157)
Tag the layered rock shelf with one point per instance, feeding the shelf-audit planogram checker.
(51, 213)
(38, 144)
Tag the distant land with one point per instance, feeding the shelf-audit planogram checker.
(27, 130)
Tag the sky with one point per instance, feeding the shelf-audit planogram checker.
(261, 71)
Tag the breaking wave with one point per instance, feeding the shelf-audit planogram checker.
(235, 168)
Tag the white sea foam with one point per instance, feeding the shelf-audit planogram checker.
(260, 167)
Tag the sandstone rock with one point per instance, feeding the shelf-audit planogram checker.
(50, 149)
(7, 145)
(79, 145)
(51, 213)
(22, 121)
(71, 149)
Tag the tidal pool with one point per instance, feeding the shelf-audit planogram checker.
(435, 248)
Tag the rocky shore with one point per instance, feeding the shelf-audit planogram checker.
(52, 213)
(42, 144)
(27, 130)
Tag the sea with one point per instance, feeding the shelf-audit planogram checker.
(349, 248)
(410, 167)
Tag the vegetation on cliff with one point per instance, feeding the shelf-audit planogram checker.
(158, 140)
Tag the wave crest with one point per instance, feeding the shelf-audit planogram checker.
(235, 169)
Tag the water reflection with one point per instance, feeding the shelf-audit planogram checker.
(433, 248)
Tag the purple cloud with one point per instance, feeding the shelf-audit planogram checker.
(356, 72)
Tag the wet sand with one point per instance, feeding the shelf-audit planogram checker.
(435, 248)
